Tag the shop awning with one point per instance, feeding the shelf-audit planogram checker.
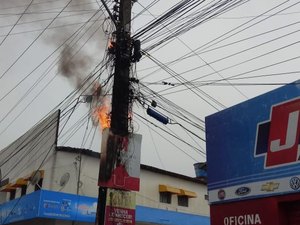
(166, 188)
(7, 188)
(187, 193)
(20, 182)
(39, 173)
(36, 173)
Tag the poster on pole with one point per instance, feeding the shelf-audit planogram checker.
(120, 207)
(120, 161)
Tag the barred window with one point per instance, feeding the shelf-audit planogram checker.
(183, 201)
(165, 197)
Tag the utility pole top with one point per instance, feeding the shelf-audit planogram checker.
(120, 99)
(114, 142)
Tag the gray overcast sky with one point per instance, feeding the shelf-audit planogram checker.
(255, 43)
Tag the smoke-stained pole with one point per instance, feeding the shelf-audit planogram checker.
(120, 96)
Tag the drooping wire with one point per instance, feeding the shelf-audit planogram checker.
(180, 79)
(196, 149)
(6, 35)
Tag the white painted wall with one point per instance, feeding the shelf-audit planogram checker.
(65, 162)
(149, 193)
(29, 152)
(59, 163)
(36, 150)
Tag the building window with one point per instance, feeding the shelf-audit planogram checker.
(23, 190)
(165, 197)
(12, 195)
(39, 185)
(4, 182)
(206, 197)
(183, 201)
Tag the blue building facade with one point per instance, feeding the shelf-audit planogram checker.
(62, 206)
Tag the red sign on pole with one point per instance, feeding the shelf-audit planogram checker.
(120, 161)
(120, 207)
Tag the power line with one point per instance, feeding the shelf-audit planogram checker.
(40, 34)
(225, 36)
(222, 38)
(42, 20)
(33, 4)
(197, 55)
(155, 146)
(49, 28)
(201, 16)
(178, 77)
(243, 62)
(16, 23)
(74, 35)
(243, 73)
(175, 110)
(196, 149)
(35, 139)
(48, 10)
(189, 55)
(50, 124)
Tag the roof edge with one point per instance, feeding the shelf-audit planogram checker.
(91, 153)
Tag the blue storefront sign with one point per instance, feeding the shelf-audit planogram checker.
(20, 209)
(62, 206)
(158, 216)
(58, 205)
(49, 204)
(253, 147)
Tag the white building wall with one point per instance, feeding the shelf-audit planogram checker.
(36, 150)
(29, 152)
(149, 193)
(66, 162)
(69, 163)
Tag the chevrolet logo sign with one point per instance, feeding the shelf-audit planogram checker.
(269, 186)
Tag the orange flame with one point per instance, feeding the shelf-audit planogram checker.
(110, 44)
(130, 115)
(103, 114)
(103, 117)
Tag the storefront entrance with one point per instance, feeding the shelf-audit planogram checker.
(290, 212)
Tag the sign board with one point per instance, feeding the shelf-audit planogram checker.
(251, 212)
(20, 209)
(253, 147)
(49, 204)
(120, 161)
(58, 205)
(120, 207)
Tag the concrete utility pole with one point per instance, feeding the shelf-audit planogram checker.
(120, 97)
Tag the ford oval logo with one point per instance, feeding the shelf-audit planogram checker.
(242, 191)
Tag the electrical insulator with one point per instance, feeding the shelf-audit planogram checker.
(116, 17)
(116, 8)
(153, 103)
